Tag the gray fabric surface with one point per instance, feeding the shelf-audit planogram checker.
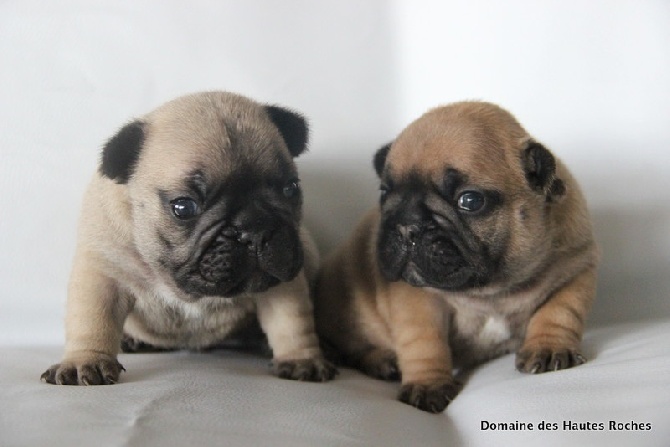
(229, 398)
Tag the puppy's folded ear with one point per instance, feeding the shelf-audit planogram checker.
(121, 152)
(380, 158)
(292, 126)
(540, 168)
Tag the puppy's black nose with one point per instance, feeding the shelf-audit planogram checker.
(252, 239)
(245, 237)
(409, 232)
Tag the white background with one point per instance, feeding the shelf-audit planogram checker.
(589, 78)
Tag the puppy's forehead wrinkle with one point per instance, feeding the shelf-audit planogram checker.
(453, 179)
(258, 149)
(411, 180)
(414, 180)
(197, 182)
(243, 164)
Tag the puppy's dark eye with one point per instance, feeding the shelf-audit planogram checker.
(292, 189)
(384, 191)
(184, 208)
(471, 201)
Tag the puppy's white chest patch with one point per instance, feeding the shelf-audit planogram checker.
(494, 330)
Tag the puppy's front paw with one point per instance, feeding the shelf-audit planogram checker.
(309, 370)
(97, 370)
(431, 397)
(535, 361)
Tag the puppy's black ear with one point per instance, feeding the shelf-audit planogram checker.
(380, 158)
(540, 168)
(292, 126)
(121, 152)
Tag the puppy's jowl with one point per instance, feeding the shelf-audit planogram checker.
(481, 246)
(189, 231)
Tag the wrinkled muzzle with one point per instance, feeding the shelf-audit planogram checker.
(238, 261)
(424, 256)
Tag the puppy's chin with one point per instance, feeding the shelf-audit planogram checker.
(454, 281)
(256, 282)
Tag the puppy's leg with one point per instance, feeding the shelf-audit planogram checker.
(366, 344)
(133, 345)
(286, 316)
(424, 358)
(356, 337)
(554, 332)
(94, 323)
(377, 362)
